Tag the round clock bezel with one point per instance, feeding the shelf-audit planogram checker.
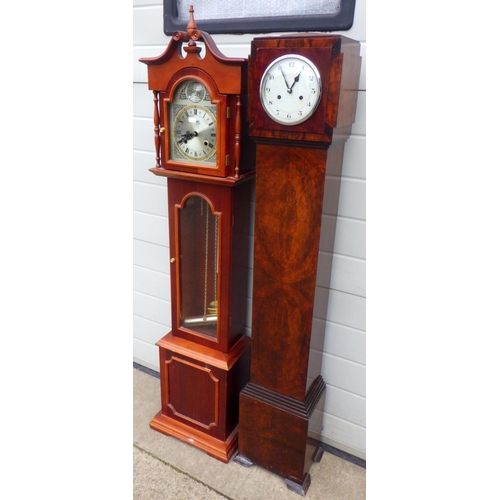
(319, 92)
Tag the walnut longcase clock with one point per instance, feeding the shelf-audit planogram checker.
(199, 136)
(302, 103)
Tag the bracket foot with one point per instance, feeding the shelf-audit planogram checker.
(240, 459)
(300, 489)
(318, 454)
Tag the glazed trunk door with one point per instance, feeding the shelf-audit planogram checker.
(198, 266)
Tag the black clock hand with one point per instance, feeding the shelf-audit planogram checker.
(184, 138)
(288, 89)
(295, 80)
(187, 137)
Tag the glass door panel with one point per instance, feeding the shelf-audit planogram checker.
(199, 256)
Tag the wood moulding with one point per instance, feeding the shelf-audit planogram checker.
(224, 181)
(302, 409)
(222, 451)
(273, 432)
(213, 357)
(211, 426)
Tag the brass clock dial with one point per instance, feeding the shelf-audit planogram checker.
(290, 89)
(195, 132)
(193, 127)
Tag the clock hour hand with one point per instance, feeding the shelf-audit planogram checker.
(295, 80)
(187, 137)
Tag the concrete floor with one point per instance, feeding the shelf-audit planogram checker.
(166, 468)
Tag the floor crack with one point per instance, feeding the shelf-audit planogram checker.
(182, 472)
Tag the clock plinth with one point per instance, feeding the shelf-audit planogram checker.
(282, 401)
(274, 432)
(202, 149)
(199, 392)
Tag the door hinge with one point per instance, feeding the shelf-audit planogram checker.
(227, 160)
(228, 113)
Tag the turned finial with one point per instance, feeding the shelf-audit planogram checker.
(192, 33)
(191, 26)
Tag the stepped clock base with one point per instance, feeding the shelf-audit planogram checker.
(273, 433)
(221, 450)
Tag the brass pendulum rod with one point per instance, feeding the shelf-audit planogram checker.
(206, 266)
(209, 310)
(213, 306)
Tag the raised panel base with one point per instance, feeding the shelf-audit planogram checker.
(199, 393)
(273, 433)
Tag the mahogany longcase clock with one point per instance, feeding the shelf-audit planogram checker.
(199, 120)
(302, 101)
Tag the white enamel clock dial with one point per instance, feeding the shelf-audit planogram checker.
(290, 89)
(193, 125)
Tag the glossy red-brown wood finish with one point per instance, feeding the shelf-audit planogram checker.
(289, 196)
(274, 428)
(226, 80)
(292, 163)
(337, 59)
(199, 393)
(230, 203)
(201, 375)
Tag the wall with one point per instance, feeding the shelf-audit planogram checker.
(343, 352)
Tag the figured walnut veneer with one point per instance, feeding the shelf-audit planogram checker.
(277, 405)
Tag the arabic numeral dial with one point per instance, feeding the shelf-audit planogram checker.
(290, 89)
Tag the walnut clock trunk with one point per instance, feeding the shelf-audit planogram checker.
(302, 103)
(199, 134)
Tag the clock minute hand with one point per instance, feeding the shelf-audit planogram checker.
(187, 136)
(288, 89)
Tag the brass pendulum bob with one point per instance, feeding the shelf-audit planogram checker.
(212, 307)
